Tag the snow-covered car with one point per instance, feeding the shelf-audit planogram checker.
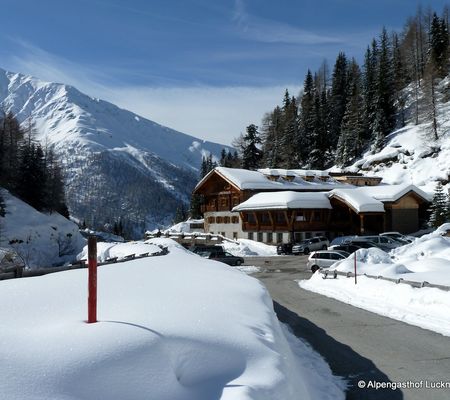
(399, 237)
(365, 243)
(325, 259)
(308, 245)
(347, 247)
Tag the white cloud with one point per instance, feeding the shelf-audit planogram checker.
(211, 113)
(269, 31)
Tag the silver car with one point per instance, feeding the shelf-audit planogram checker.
(308, 245)
(325, 258)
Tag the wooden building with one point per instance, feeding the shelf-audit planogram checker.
(276, 206)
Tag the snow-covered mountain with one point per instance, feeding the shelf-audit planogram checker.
(117, 163)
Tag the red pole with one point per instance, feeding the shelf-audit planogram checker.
(355, 266)
(92, 277)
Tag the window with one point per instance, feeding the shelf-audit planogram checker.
(269, 237)
(211, 220)
(235, 236)
(219, 220)
(335, 256)
(317, 216)
(265, 218)
(307, 235)
(279, 237)
(226, 220)
(279, 218)
(260, 237)
(222, 233)
(251, 218)
(323, 256)
(300, 217)
(250, 235)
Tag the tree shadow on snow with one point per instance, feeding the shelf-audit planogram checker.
(343, 360)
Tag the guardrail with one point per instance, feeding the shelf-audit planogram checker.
(334, 274)
(78, 265)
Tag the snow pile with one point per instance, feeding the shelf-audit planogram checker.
(107, 250)
(246, 248)
(41, 240)
(426, 259)
(175, 327)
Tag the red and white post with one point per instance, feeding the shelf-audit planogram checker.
(92, 277)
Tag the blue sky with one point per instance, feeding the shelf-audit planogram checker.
(204, 67)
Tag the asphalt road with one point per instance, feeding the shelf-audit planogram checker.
(357, 344)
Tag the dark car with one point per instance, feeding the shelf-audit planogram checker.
(349, 248)
(284, 248)
(199, 249)
(367, 244)
(226, 258)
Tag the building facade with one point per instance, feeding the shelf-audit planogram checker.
(275, 206)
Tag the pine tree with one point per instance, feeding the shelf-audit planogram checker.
(307, 121)
(251, 153)
(352, 129)
(385, 115)
(195, 211)
(438, 208)
(271, 136)
(370, 90)
(338, 98)
(438, 46)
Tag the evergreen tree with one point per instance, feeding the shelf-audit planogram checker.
(180, 214)
(370, 90)
(385, 115)
(306, 136)
(251, 153)
(438, 208)
(438, 46)
(195, 210)
(350, 142)
(271, 136)
(338, 98)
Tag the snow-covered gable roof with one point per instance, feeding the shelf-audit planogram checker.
(285, 200)
(358, 199)
(388, 193)
(258, 180)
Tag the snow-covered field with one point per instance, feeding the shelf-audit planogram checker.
(426, 259)
(41, 240)
(170, 327)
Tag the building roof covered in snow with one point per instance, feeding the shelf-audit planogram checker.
(285, 200)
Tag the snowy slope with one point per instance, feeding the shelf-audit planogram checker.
(411, 155)
(176, 327)
(104, 147)
(41, 240)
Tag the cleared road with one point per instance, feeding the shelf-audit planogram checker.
(358, 345)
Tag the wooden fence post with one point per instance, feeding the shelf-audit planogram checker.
(92, 278)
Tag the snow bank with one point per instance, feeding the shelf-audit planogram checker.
(107, 250)
(426, 259)
(41, 240)
(246, 248)
(176, 327)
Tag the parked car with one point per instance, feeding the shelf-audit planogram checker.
(284, 248)
(308, 245)
(342, 240)
(364, 243)
(226, 258)
(399, 237)
(325, 258)
(198, 249)
(384, 241)
(349, 248)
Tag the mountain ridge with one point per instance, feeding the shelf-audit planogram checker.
(99, 144)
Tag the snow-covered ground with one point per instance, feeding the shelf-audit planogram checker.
(41, 240)
(426, 259)
(170, 327)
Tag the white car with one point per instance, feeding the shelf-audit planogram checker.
(325, 258)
